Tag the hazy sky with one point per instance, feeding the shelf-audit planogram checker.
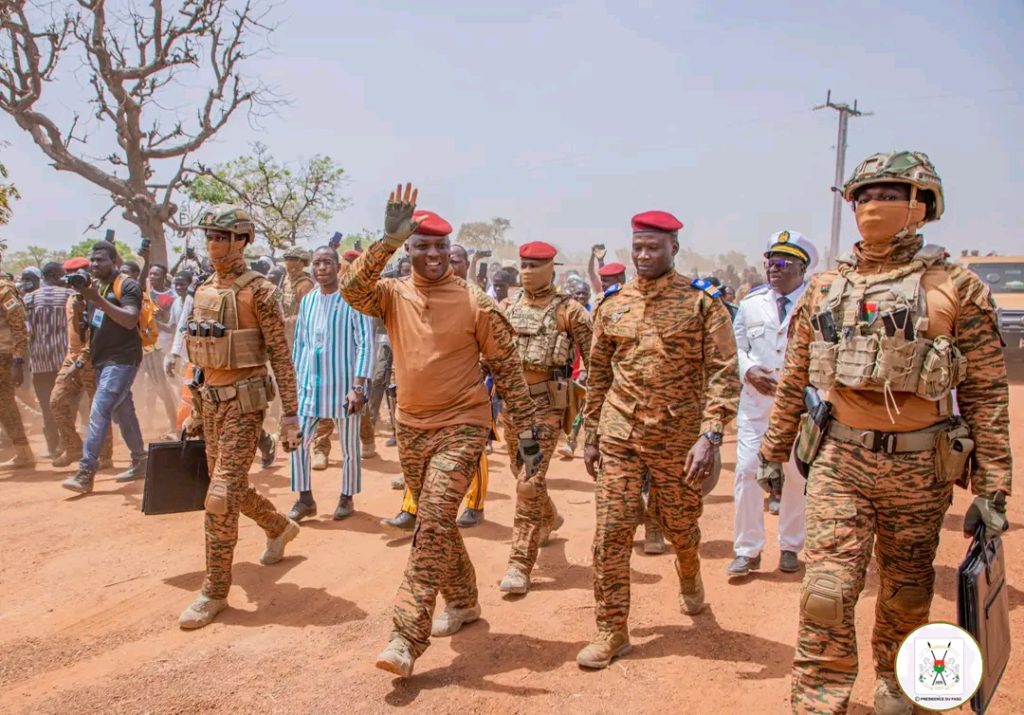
(567, 118)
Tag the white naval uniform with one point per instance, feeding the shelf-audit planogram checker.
(761, 341)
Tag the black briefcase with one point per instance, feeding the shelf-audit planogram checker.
(177, 477)
(983, 610)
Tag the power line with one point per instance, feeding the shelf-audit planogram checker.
(845, 112)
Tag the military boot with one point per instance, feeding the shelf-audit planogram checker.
(274, 551)
(369, 450)
(22, 459)
(81, 482)
(403, 521)
(889, 699)
(516, 581)
(398, 483)
(470, 518)
(452, 619)
(397, 658)
(545, 531)
(136, 471)
(654, 540)
(66, 459)
(201, 612)
(319, 462)
(605, 647)
(691, 595)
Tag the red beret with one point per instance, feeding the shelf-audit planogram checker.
(539, 250)
(351, 254)
(656, 221)
(431, 224)
(611, 269)
(75, 264)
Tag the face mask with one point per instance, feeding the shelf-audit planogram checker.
(224, 255)
(536, 280)
(880, 221)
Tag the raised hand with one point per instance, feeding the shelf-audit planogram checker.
(398, 221)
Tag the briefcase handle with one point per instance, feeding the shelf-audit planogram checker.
(979, 537)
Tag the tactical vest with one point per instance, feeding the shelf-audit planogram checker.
(542, 346)
(877, 349)
(218, 308)
(289, 300)
(6, 336)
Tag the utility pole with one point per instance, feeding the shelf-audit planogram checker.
(845, 112)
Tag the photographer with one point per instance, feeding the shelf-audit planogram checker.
(113, 303)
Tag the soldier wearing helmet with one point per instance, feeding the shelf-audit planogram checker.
(885, 338)
(235, 327)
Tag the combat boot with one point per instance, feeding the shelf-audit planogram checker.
(268, 449)
(889, 699)
(369, 450)
(397, 658)
(66, 459)
(136, 471)
(22, 459)
(654, 540)
(300, 510)
(81, 482)
(691, 595)
(566, 452)
(605, 647)
(516, 581)
(470, 518)
(201, 612)
(319, 461)
(398, 483)
(545, 531)
(452, 619)
(275, 546)
(403, 521)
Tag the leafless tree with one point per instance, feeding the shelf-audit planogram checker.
(135, 59)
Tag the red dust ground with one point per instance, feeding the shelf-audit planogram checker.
(90, 592)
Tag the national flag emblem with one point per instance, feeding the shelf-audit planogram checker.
(869, 311)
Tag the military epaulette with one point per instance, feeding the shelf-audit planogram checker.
(757, 290)
(706, 286)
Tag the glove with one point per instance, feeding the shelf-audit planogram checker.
(398, 222)
(990, 511)
(171, 365)
(770, 478)
(529, 451)
(290, 437)
(193, 425)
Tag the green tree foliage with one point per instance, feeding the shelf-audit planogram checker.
(288, 203)
(8, 194)
(83, 249)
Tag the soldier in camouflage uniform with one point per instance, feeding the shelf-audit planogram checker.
(888, 334)
(240, 305)
(13, 348)
(440, 328)
(549, 324)
(662, 385)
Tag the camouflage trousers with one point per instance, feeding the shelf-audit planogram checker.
(64, 400)
(476, 497)
(534, 508)
(437, 465)
(325, 433)
(855, 498)
(231, 440)
(678, 507)
(10, 418)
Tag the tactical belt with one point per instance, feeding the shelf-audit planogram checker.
(540, 388)
(226, 393)
(889, 442)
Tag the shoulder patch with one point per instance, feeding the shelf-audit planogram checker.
(11, 305)
(706, 286)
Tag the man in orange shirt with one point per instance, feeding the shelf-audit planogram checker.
(440, 327)
(887, 336)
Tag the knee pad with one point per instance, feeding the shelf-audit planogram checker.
(217, 497)
(526, 490)
(909, 599)
(821, 600)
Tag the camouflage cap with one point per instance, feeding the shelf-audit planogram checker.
(901, 167)
(298, 253)
(227, 217)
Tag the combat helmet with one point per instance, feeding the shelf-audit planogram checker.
(228, 217)
(298, 254)
(901, 167)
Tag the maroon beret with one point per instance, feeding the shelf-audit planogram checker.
(611, 269)
(539, 250)
(431, 224)
(351, 254)
(656, 221)
(75, 264)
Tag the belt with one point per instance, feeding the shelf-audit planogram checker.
(922, 440)
(226, 393)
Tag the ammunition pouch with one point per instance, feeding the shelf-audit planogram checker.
(253, 394)
(541, 345)
(556, 390)
(235, 350)
(953, 450)
(822, 369)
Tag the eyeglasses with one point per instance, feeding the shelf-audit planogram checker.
(780, 264)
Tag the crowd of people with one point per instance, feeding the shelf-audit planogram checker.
(885, 371)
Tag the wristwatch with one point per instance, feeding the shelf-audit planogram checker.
(359, 390)
(714, 438)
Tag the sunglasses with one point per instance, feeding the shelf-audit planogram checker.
(780, 264)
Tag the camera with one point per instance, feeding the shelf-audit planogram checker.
(78, 279)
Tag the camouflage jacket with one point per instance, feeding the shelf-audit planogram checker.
(662, 364)
(13, 330)
(983, 396)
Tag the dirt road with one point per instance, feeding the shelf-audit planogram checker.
(90, 591)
